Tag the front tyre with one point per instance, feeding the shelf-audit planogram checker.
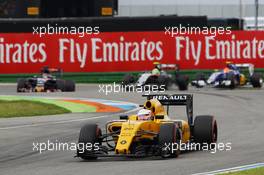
(169, 140)
(233, 81)
(21, 84)
(89, 135)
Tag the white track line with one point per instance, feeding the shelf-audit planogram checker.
(66, 121)
(234, 169)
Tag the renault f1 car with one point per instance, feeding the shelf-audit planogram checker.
(131, 136)
(164, 79)
(45, 82)
(231, 77)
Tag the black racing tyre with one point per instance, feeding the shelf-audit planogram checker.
(256, 80)
(89, 134)
(169, 140)
(164, 81)
(50, 85)
(205, 130)
(69, 86)
(128, 79)
(232, 78)
(182, 81)
(60, 85)
(152, 80)
(21, 84)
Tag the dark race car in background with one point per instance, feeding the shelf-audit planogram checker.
(46, 82)
(165, 79)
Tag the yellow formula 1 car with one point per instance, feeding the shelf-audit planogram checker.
(150, 132)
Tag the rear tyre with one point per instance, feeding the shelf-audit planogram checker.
(60, 85)
(169, 137)
(21, 84)
(205, 130)
(89, 134)
(256, 80)
(69, 86)
(182, 81)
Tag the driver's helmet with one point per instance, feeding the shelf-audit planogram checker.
(157, 65)
(45, 70)
(229, 64)
(226, 70)
(144, 114)
(156, 70)
(228, 67)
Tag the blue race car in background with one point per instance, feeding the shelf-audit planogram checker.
(230, 77)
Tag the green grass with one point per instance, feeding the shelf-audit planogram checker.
(256, 171)
(23, 108)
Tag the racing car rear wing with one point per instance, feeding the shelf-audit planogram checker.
(248, 66)
(58, 71)
(175, 100)
(168, 66)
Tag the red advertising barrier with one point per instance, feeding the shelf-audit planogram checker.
(127, 51)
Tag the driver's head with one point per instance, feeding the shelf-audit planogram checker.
(144, 114)
(46, 70)
(229, 64)
(157, 65)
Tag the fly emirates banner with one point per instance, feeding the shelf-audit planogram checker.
(127, 51)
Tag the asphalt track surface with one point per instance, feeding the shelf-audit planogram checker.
(239, 114)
